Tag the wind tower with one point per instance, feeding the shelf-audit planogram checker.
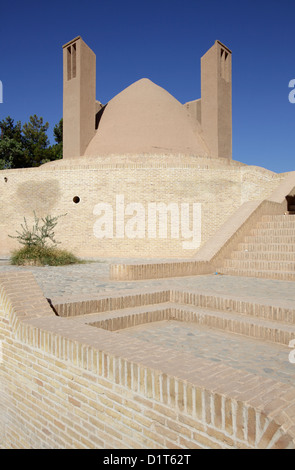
(79, 91)
(216, 100)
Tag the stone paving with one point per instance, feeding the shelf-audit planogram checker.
(93, 279)
(251, 355)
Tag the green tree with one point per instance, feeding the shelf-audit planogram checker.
(58, 132)
(11, 144)
(28, 145)
(36, 141)
(9, 129)
(57, 149)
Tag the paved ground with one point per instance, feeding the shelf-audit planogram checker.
(266, 359)
(93, 278)
(243, 353)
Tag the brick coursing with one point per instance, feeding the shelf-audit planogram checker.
(65, 384)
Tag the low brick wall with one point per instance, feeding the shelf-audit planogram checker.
(131, 272)
(69, 385)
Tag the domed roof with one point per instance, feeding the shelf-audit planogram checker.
(145, 118)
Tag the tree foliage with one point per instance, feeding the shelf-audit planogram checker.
(28, 145)
(58, 137)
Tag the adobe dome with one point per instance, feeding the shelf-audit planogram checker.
(145, 118)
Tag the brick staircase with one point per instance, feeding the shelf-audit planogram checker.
(254, 320)
(268, 252)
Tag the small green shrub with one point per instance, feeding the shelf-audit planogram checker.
(40, 256)
(38, 235)
(36, 251)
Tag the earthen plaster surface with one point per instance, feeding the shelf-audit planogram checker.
(145, 118)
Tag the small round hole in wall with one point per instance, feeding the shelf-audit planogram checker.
(76, 199)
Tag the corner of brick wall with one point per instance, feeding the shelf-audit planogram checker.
(67, 385)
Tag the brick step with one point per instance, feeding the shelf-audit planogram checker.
(113, 306)
(245, 325)
(266, 274)
(260, 265)
(269, 240)
(76, 306)
(234, 305)
(267, 252)
(276, 224)
(119, 319)
(264, 322)
(263, 255)
(269, 247)
(233, 322)
(272, 232)
(277, 218)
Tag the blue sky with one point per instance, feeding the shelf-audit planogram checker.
(162, 40)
